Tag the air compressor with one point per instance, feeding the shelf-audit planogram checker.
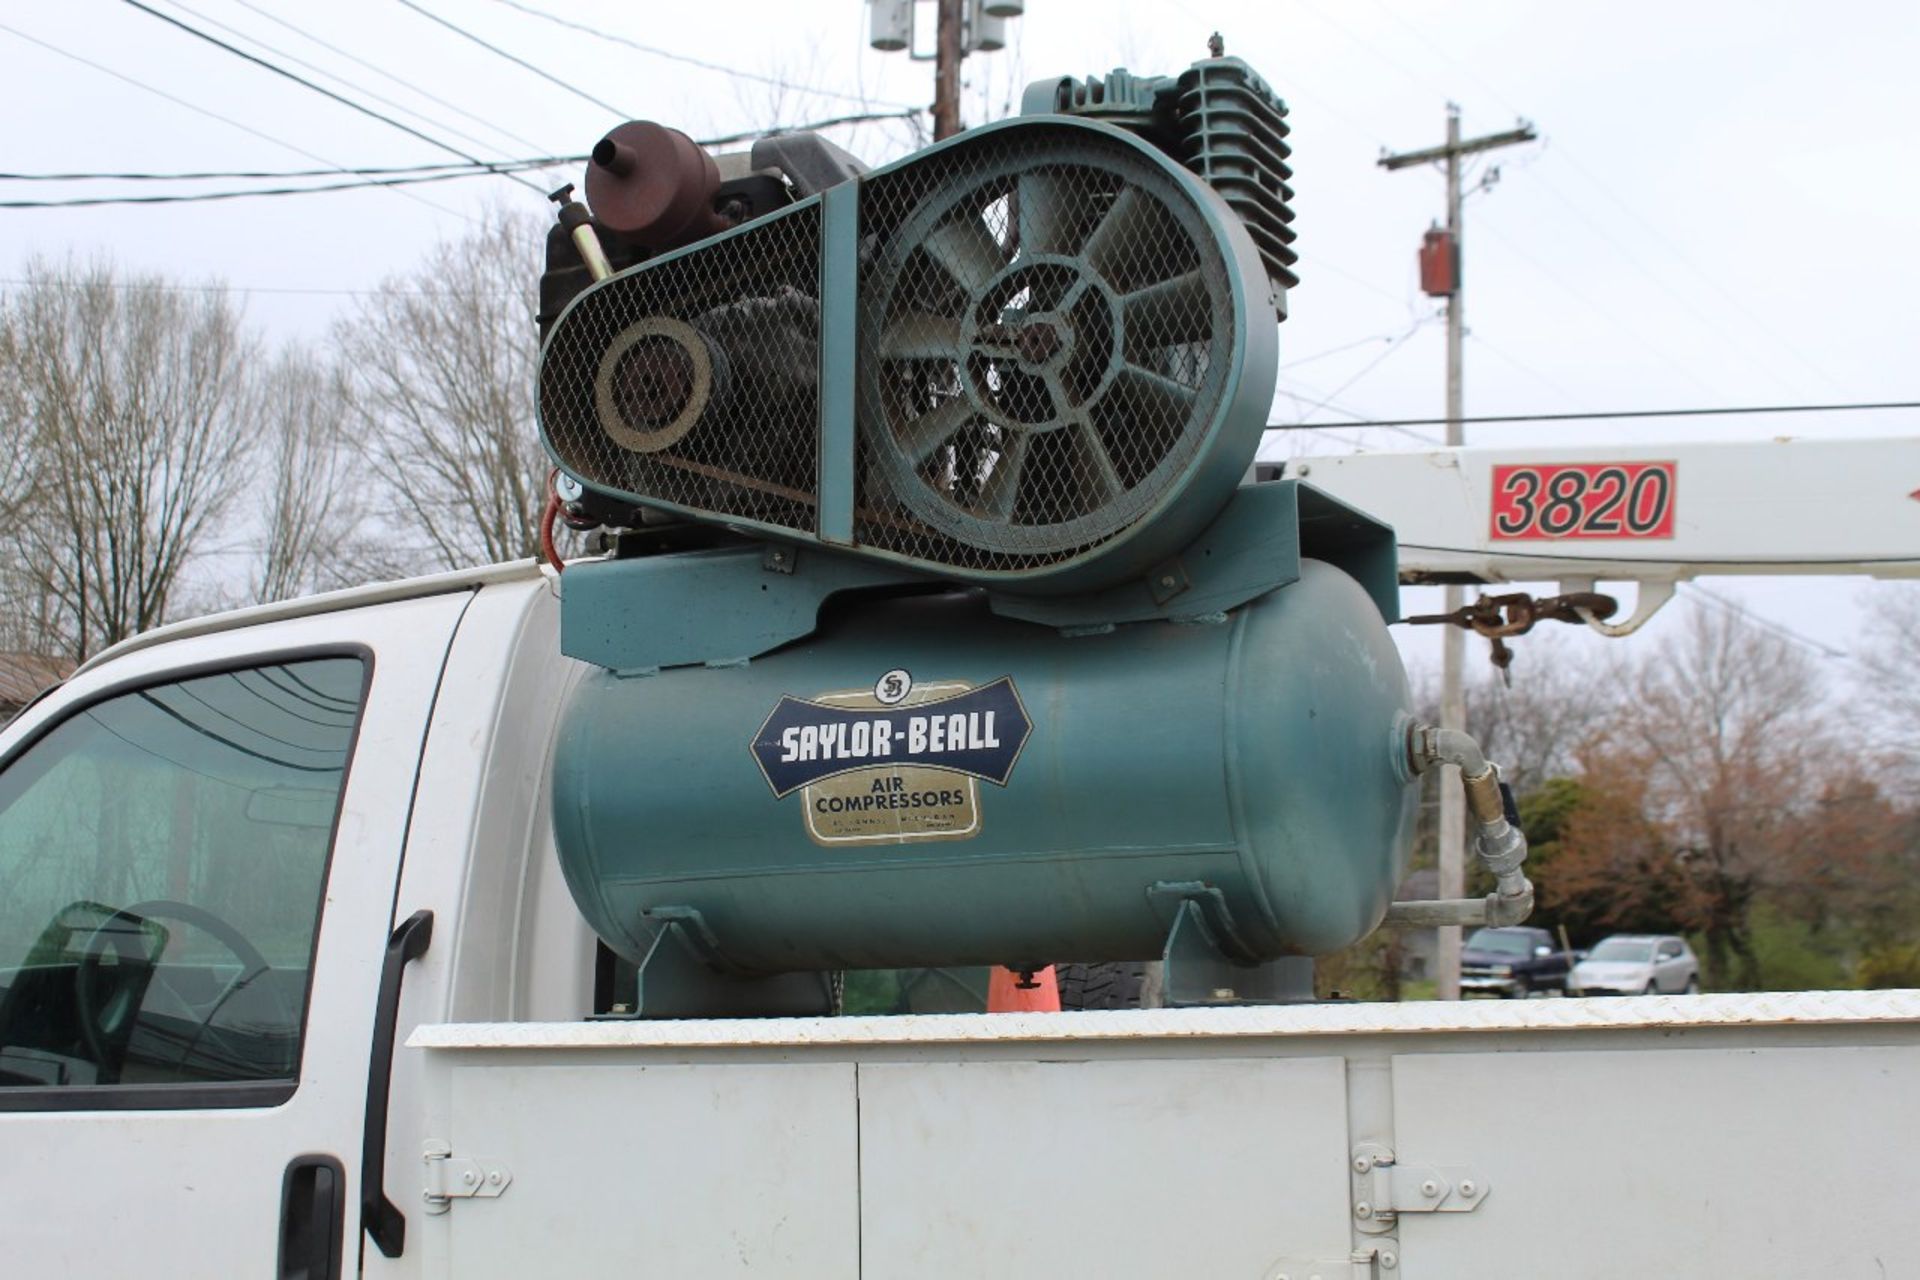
(938, 625)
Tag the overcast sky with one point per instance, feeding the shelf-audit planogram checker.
(1720, 210)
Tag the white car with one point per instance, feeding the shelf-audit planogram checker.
(1636, 964)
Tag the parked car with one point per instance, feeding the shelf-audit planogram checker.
(1515, 961)
(1636, 964)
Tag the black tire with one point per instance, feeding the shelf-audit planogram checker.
(1121, 984)
(1693, 986)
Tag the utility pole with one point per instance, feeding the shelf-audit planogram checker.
(960, 27)
(946, 70)
(1453, 702)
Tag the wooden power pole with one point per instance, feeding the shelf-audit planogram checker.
(946, 69)
(1453, 703)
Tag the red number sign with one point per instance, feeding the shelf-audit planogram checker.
(1583, 500)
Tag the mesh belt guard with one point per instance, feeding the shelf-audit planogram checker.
(1038, 356)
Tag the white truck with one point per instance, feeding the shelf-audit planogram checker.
(290, 984)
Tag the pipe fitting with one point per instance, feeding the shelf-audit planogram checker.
(1500, 846)
(1429, 745)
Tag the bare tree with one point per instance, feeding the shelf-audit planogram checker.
(1557, 701)
(127, 422)
(441, 381)
(1724, 739)
(1889, 665)
(311, 505)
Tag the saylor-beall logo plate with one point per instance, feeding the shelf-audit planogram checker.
(974, 733)
(898, 763)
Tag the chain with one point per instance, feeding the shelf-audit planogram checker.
(1514, 614)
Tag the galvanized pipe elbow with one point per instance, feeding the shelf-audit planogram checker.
(1451, 746)
(1499, 844)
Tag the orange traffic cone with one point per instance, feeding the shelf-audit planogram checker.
(1010, 991)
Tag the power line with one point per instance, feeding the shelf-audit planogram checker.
(143, 286)
(200, 197)
(1310, 262)
(394, 175)
(1611, 190)
(1318, 355)
(369, 171)
(382, 72)
(337, 78)
(344, 101)
(1867, 406)
(702, 63)
(1374, 49)
(1765, 624)
(213, 115)
(1480, 340)
(1393, 344)
(1358, 420)
(447, 168)
(1356, 416)
(407, 174)
(518, 61)
(864, 117)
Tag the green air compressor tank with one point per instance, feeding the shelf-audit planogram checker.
(923, 783)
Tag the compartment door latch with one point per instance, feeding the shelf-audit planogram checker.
(1383, 1189)
(451, 1177)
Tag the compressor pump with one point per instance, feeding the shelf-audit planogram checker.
(936, 625)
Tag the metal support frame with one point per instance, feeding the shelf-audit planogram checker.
(684, 975)
(839, 305)
(1207, 964)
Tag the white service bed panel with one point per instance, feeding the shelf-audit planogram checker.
(1102, 1170)
(1665, 1162)
(738, 1169)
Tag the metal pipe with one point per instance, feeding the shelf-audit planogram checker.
(1499, 844)
(1435, 913)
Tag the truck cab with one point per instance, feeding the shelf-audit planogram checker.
(208, 838)
(1517, 960)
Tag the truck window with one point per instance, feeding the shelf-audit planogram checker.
(1508, 942)
(162, 858)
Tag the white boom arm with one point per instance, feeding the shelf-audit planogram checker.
(1654, 514)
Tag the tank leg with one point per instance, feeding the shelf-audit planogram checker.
(676, 982)
(1198, 972)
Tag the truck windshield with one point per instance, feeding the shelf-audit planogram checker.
(1623, 949)
(1507, 944)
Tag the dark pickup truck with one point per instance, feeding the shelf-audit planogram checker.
(1515, 961)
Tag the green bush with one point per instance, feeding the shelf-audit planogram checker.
(1794, 956)
(1892, 964)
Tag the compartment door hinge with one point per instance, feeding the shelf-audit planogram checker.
(1383, 1189)
(451, 1177)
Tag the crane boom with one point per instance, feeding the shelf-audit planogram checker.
(1655, 514)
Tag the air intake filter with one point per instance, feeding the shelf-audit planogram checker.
(1045, 349)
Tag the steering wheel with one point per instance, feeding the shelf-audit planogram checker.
(103, 1017)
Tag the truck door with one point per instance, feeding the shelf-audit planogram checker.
(199, 844)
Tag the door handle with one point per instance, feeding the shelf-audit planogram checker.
(380, 1217)
(312, 1211)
